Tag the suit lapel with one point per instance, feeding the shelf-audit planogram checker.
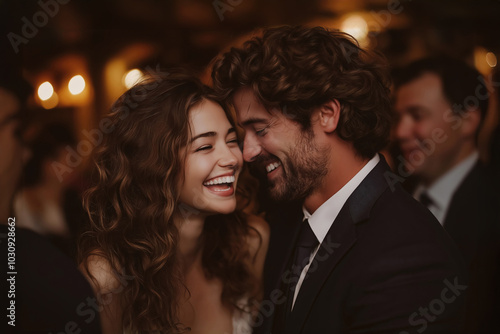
(339, 240)
(289, 252)
(281, 279)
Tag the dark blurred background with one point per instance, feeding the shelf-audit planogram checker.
(102, 40)
(55, 40)
(80, 55)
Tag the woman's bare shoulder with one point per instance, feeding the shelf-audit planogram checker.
(258, 241)
(259, 225)
(100, 273)
(107, 285)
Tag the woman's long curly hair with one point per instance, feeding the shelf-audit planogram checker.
(134, 201)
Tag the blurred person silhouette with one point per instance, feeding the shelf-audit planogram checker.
(47, 293)
(47, 203)
(441, 103)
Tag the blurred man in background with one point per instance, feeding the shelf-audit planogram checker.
(441, 103)
(46, 292)
(47, 202)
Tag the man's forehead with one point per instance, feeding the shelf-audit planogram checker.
(253, 114)
(249, 109)
(424, 86)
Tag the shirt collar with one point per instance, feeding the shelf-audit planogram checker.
(322, 219)
(442, 190)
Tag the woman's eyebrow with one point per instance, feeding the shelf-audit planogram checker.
(210, 134)
(205, 134)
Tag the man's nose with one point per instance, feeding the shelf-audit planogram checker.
(251, 147)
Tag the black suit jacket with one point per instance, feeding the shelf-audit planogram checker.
(385, 266)
(473, 222)
(51, 295)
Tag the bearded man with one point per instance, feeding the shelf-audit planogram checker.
(363, 256)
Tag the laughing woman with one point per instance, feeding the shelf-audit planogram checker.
(167, 251)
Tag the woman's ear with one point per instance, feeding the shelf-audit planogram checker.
(329, 114)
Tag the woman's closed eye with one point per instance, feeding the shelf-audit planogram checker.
(207, 147)
(203, 148)
(233, 141)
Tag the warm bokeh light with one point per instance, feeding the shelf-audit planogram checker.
(45, 91)
(132, 77)
(491, 59)
(483, 61)
(76, 85)
(51, 102)
(356, 26)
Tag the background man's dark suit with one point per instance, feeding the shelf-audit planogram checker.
(51, 295)
(473, 222)
(473, 214)
(391, 259)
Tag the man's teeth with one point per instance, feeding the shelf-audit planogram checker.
(220, 180)
(272, 166)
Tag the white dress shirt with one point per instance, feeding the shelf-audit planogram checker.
(322, 219)
(442, 190)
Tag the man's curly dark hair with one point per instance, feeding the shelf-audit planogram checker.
(296, 69)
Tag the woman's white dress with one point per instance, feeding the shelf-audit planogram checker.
(241, 319)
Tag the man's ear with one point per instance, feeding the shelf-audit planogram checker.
(471, 121)
(329, 114)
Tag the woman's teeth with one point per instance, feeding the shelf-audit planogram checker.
(220, 180)
(272, 166)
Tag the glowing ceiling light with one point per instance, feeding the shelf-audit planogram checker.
(45, 91)
(356, 26)
(51, 103)
(76, 85)
(132, 77)
(491, 59)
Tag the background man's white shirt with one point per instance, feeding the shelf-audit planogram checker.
(441, 191)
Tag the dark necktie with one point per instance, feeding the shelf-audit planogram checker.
(304, 246)
(425, 199)
(306, 243)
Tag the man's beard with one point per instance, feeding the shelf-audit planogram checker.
(303, 169)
